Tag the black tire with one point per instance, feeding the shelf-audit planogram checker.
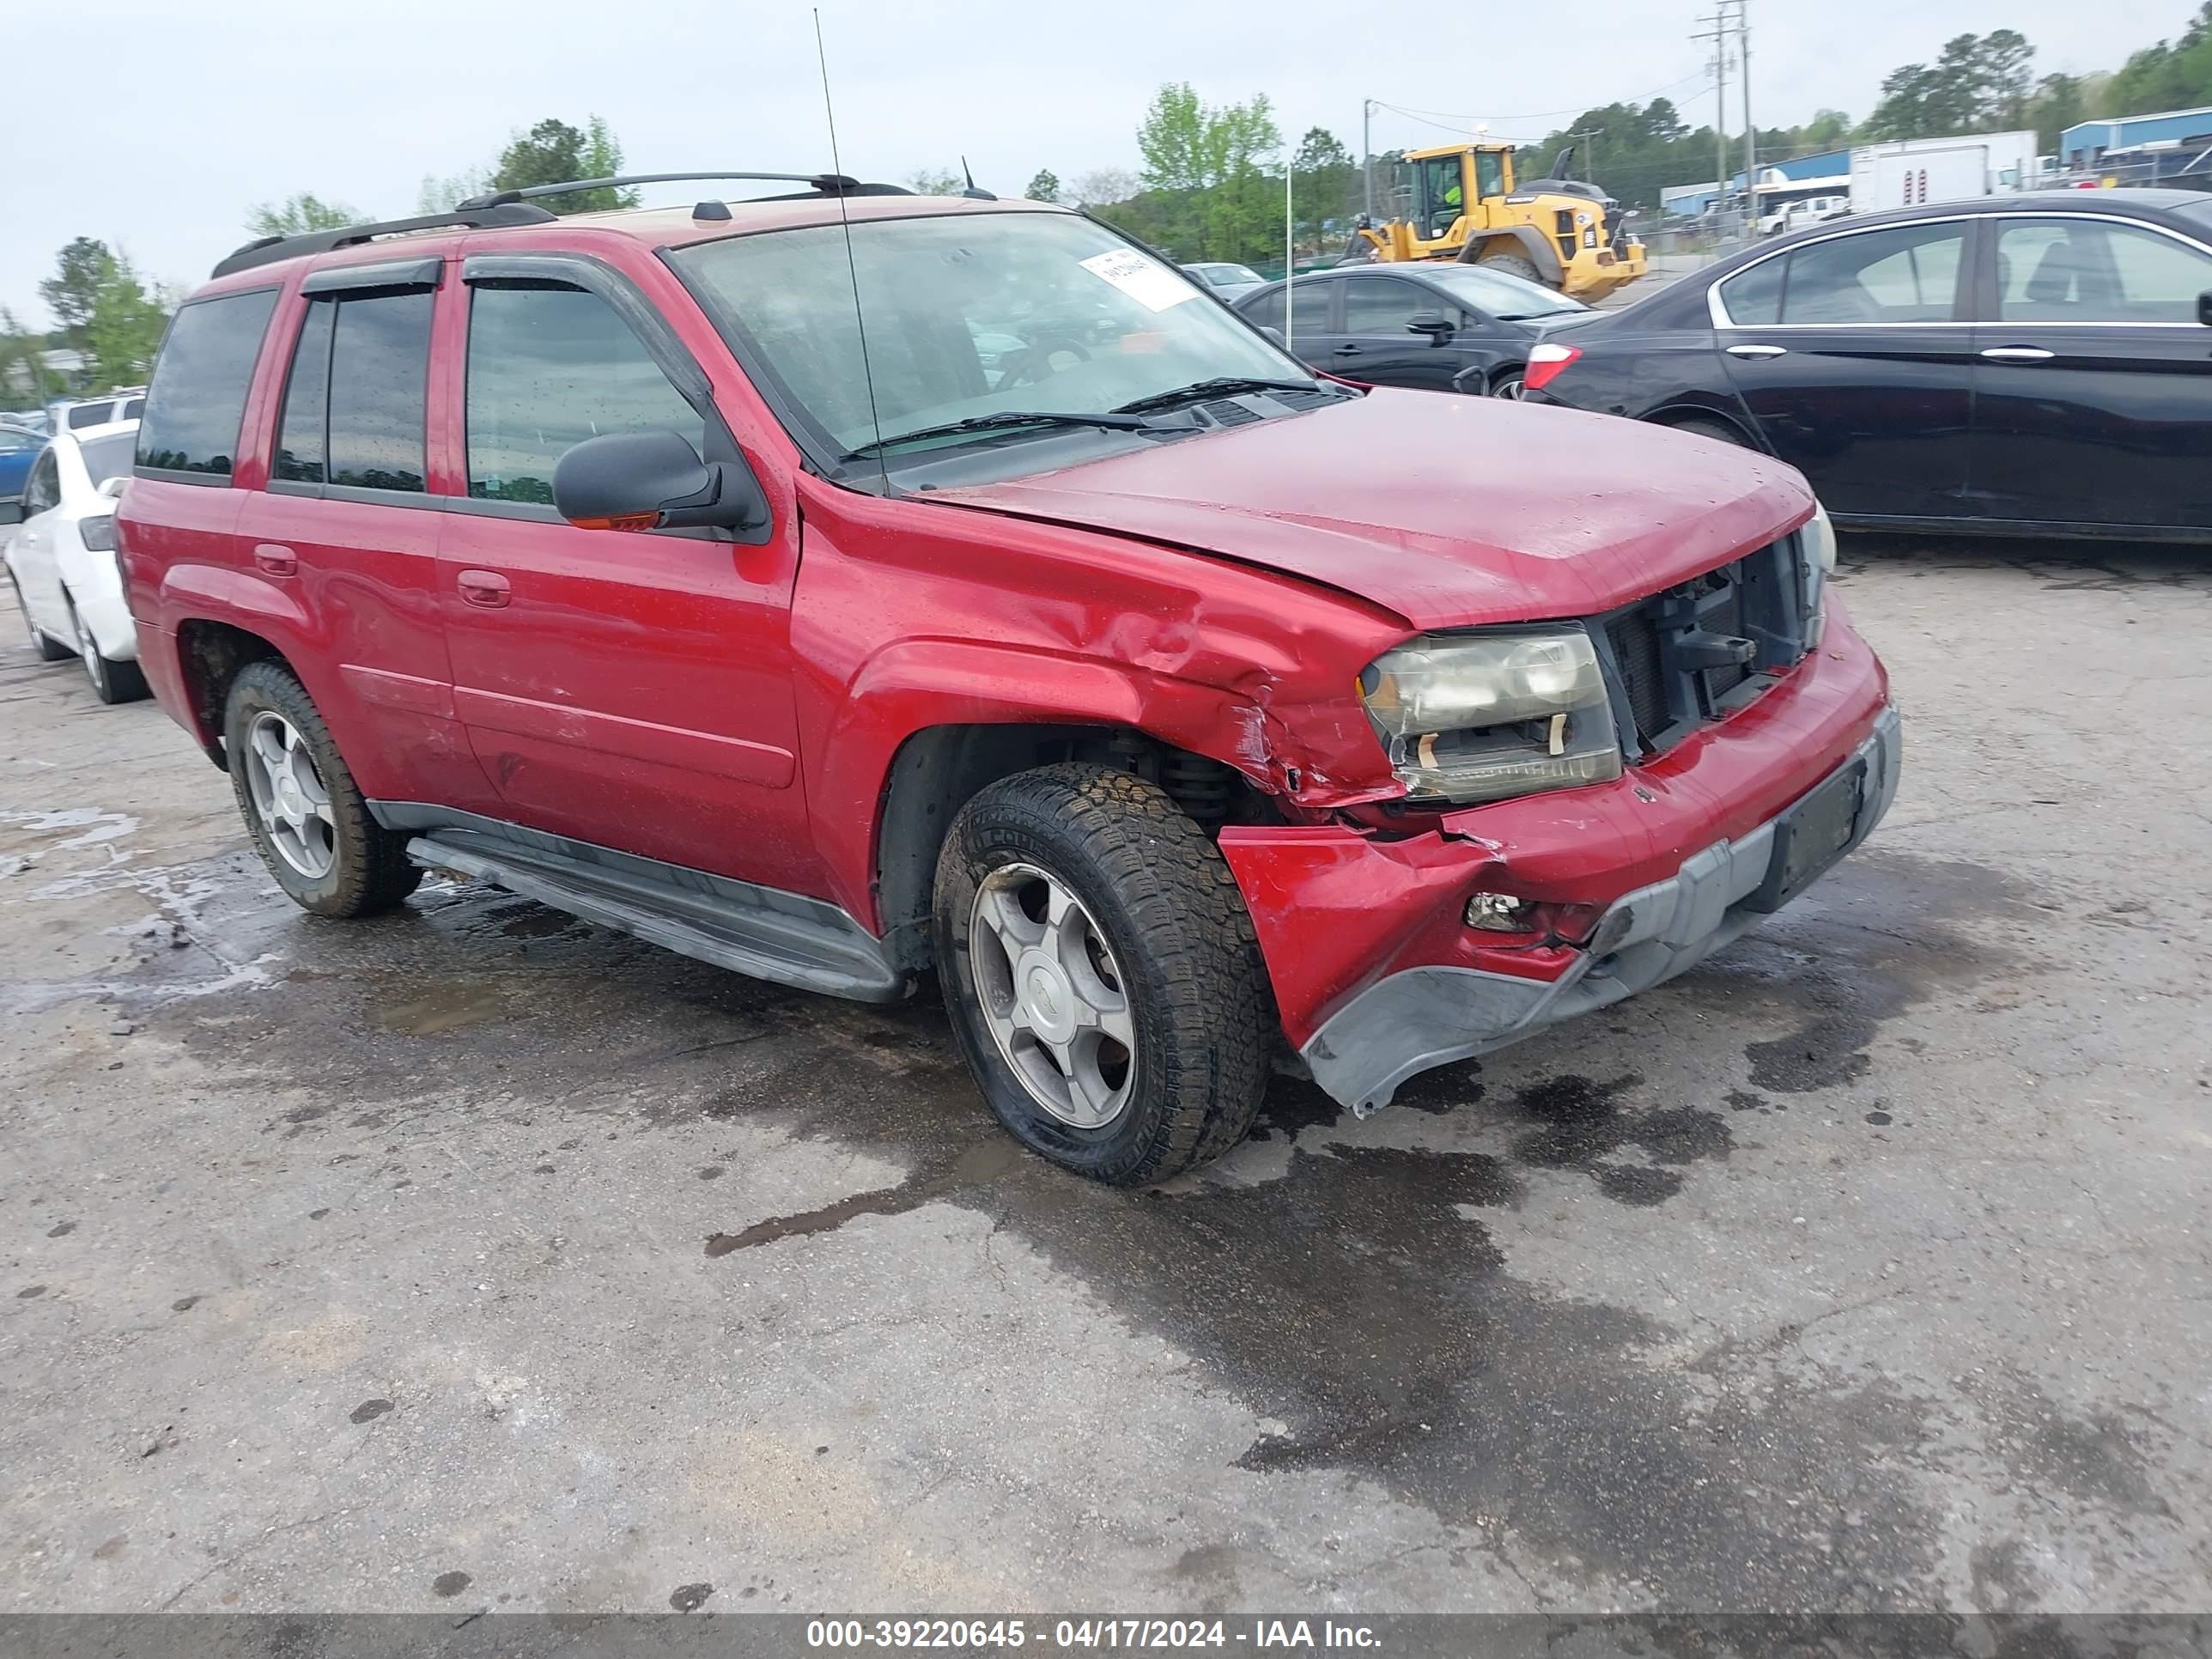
(1514, 264)
(1168, 909)
(369, 871)
(48, 650)
(1719, 431)
(113, 679)
(1507, 386)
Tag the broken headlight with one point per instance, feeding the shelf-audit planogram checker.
(1479, 717)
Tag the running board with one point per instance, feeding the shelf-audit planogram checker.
(768, 934)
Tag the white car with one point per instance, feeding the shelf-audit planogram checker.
(61, 556)
(1232, 283)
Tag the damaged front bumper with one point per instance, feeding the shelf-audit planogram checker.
(1377, 973)
(1429, 1016)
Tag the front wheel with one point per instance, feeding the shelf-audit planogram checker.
(1101, 974)
(1514, 264)
(48, 650)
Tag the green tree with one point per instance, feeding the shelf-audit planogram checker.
(71, 291)
(935, 181)
(553, 152)
(1045, 187)
(1979, 82)
(1325, 185)
(1827, 130)
(1102, 186)
(442, 194)
(296, 216)
(1212, 188)
(124, 327)
(22, 364)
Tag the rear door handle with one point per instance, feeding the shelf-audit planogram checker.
(1758, 351)
(277, 560)
(1346, 352)
(2019, 354)
(485, 587)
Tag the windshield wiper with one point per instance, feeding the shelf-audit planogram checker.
(1005, 420)
(1222, 386)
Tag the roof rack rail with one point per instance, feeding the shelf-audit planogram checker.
(267, 250)
(822, 184)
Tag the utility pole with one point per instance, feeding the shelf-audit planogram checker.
(1719, 38)
(1750, 132)
(1367, 154)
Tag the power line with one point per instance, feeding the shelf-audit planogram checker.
(1441, 118)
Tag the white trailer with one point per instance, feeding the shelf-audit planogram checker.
(1913, 170)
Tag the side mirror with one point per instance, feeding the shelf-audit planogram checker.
(1434, 324)
(111, 488)
(2204, 307)
(1274, 334)
(11, 512)
(652, 481)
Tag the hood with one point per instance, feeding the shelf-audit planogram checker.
(1448, 511)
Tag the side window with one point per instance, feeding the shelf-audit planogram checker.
(2084, 270)
(1489, 173)
(1310, 307)
(133, 410)
(379, 364)
(197, 396)
(1907, 275)
(1266, 311)
(301, 446)
(42, 491)
(1383, 305)
(86, 415)
(1754, 296)
(549, 367)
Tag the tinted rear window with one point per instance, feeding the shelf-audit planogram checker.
(109, 456)
(85, 415)
(198, 393)
(379, 366)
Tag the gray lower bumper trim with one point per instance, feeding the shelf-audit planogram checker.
(1429, 1017)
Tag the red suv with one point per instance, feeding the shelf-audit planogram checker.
(848, 585)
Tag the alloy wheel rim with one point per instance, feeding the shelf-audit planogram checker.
(289, 796)
(1053, 994)
(1511, 389)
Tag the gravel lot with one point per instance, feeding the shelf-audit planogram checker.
(474, 1257)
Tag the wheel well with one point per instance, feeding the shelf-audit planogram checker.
(937, 771)
(1682, 416)
(212, 654)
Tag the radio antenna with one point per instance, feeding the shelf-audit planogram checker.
(852, 265)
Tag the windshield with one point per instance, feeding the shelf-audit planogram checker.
(1229, 276)
(968, 315)
(109, 456)
(1502, 295)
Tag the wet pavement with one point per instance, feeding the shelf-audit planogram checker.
(474, 1257)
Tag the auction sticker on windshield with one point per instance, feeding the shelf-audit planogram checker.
(1149, 283)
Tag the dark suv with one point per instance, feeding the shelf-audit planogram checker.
(849, 584)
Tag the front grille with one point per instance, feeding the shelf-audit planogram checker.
(1688, 656)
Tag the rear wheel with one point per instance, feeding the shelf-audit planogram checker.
(1719, 431)
(48, 650)
(1509, 386)
(1101, 974)
(301, 805)
(113, 679)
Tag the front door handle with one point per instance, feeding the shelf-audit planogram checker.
(2019, 354)
(275, 560)
(485, 587)
(1348, 351)
(1758, 351)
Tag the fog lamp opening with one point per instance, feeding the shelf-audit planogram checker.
(1501, 913)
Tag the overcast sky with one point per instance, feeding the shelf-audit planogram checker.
(156, 127)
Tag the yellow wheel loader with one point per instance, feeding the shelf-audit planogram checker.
(1467, 205)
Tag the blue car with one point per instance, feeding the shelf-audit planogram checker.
(18, 449)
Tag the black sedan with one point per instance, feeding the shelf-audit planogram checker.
(1434, 327)
(2031, 365)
